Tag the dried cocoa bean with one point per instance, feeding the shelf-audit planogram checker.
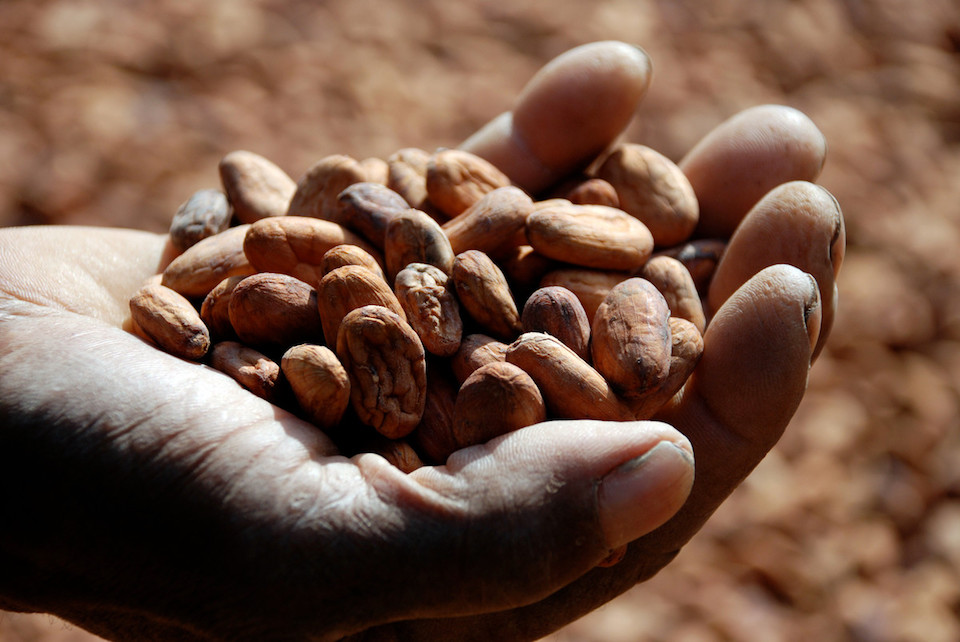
(348, 288)
(557, 311)
(215, 309)
(253, 370)
(700, 257)
(593, 191)
(274, 310)
(434, 433)
(686, 348)
(483, 292)
(341, 255)
(431, 308)
(368, 208)
(590, 286)
(630, 338)
(457, 179)
(674, 282)
(414, 237)
(319, 382)
(201, 267)
(491, 223)
(204, 214)
(386, 363)
(571, 387)
(652, 188)
(375, 169)
(318, 189)
(476, 350)
(295, 245)
(407, 175)
(593, 236)
(495, 399)
(255, 186)
(169, 320)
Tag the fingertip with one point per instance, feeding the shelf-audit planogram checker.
(644, 492)
(567, 114)
(745, 157)
(797, 223)
(757, 353)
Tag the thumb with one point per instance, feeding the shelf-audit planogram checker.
(528, 513)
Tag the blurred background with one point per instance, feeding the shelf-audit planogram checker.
(113, 112)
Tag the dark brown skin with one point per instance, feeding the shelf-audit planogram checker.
(250, 526)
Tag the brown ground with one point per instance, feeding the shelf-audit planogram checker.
(113, 112)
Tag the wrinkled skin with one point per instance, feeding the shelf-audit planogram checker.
(146, 497)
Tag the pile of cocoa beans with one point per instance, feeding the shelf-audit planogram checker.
(421, 304)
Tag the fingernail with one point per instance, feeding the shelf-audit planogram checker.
(839, 240)
(644, 492)
(812, 315)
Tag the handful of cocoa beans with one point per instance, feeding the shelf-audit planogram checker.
(421, 304)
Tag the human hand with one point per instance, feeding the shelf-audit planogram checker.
(148, 497)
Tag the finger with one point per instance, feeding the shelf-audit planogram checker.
(568, 113)
(557, 498)
(797, 223)
(745, 157)
(746, 388)
(87, 270)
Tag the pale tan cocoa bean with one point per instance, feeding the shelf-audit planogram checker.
(215, 309)
(457, 179)
(686, 348)
(434, 433)
(253, 370)
(340, 255)
(652, 188)
(369, 207)
(630, 338)
(204, 214)
(295, 245)
(590, 286)
(255, 186)
(272, 310)
(524, 268)
(169, 320)
(492, 223)
(593, 236)
(431, 308)
(496, 399)
(414, 237)
(318, 189)
(348, 288)
(676, 285)
(700, 257)
(550, 203)
(483, 292)
(386, 363)
(593, 191)
(201, 267)
(319, 382)
(557, 311)
(476, 350)
(571, 387)
(407, 175)
(375, 169)
(398, 452)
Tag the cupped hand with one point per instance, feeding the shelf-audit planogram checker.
(150, 498)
